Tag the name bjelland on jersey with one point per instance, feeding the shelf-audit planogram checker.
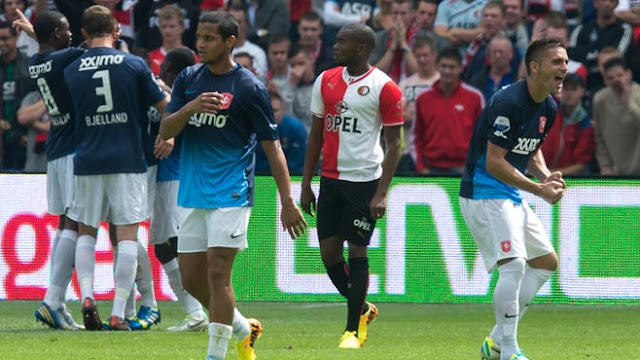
(106, 119)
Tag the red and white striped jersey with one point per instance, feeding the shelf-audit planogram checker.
(354, 109)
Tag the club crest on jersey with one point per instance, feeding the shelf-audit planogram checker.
(543, 122)
(225, 102)
(342, 107)
(506, 246)
(363, 90)
(502, 125)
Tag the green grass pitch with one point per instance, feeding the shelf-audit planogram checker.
(311, 331)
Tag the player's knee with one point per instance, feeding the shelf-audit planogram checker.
(164, 253)
(514, 266)
(219, 273)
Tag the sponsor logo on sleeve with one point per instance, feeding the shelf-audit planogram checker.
(501, 126)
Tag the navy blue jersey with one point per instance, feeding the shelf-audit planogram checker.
(169, 168)
(218, 150)
(513, 121)
(46, 70)
(112, 91)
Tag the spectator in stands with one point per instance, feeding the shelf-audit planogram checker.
(458, 21)
(425, 16)
(493, 23)
(171, 26)
(588, 39)
(516, 31)
(309, 39)
(557, 27)
(444, 119)
(15, 84)
(426, 54)
(25, 43)
(339, 13)
(500, 71)
(293, 139)
(383, 19)
(538, 9)
(606, 54)
(211, 5)
(245, 60)
(147, 31)
(569, 146)
(301, 78)
(266, 17)
(278, 75)
(296, 9)
(392, 53)
(239, 12)
(616, 115)
(33, 116)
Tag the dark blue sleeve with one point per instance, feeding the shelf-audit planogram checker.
(177, 93)
(261, 114)
(504, 124)
(148, 85)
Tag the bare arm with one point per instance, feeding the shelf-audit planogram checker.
(291, 217)
(392, 155)
(312, 155)
(538, 167)
(30, 114)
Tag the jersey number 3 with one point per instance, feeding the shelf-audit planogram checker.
(104, 90)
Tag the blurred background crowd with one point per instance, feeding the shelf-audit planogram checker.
(448, 57)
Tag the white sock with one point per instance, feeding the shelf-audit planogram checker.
(505, 300)
(130, 306)
(532, 281)
(495, 335)
(54, 243)
(125, 275)
(219, 335)
(61, 268)
(188, 302)
(85, 264)
(241, 327)
(144, 279)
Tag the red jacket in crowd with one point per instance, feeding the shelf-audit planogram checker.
(570, 140)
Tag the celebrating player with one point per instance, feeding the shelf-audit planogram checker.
(505, 143)
(222, 109)
(350, 105)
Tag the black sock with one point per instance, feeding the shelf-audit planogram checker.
(339, 275)
(358, 286)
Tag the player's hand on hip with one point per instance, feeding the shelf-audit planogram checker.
(292, 219)
(378, 206)
(208, 102)
(162, 148)
(308, 200)
(552, 191)
(556, 176)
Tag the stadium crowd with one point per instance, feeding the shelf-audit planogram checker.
(448, 57)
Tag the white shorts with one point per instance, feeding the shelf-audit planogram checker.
(503, 229)
(152, 172)
(166, 216)
(205, 228)
(60, 184)
(117, 198)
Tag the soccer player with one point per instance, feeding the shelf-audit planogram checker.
(165, 218)
(222, 110)
(112, 92)
(505, 143)
(350, 105)
(45, 68)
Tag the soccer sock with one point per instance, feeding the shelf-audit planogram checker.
(144, 279)
(188, 302)
(358, 285)
(505, 300)
(219, 335)
(85, 264)
(339, 275)
(130, 306)
(61, 268)
(532, 281)
(125, 275)
(54, 245)
(241, 327)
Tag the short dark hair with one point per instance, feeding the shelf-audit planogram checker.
(423, 40)
(574, 79)
(243, 54)
(556, 20)
(45, 24)
(7, 25)
(174, 62)
(613, 62)
(494, 4)
(278, 38)
(412, 2)
(361, 33)
(98, 21)
(227, 24)
(537, 50)
(434, 2)
(274, 95)
(450, 53)
(311, 16)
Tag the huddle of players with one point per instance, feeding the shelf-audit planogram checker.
(122, 192)
(355, 172)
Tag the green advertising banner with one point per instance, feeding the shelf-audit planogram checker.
(421, 250)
